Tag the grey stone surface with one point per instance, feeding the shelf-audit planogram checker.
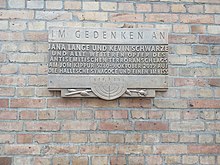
(108, 63)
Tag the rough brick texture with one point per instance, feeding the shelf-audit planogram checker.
(180, 126)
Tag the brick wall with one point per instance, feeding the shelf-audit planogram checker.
(180, 126)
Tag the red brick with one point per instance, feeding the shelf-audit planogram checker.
(209, 39)
(146, 125)
(215, 104)
(36, 36)
(198, 29)
(161, 8)
(5, 160)
(84, 114)
(116, 138)
(98, 138)
(115, 125)
(46, 114)
(125, 17)
(12, 36)
(197, 19)
(28, 115)
(138, 114)
(97, 149)
(133, 138)
(134, 103)
(78, 125)
(22, 149)
(58, 160)
(10, 80)
(42, 126)
(42, 138)
(78, 138)
(154, 160)
(155, 114)
(103, 114)
(24, 138)
(61, 102)
(27, 103)
(170, 149)
(136, 159)
(65, 114)
(8, 115)
(167, 103)
(4, 103)
(41, 160)
(60, 149)
(203, 149)
(80, 160)
(182, 39)
(99, 103)
(6, 138)
(11, 126)
(2, 5)
(161, 17)
(118, 160)
(134, 149)
(214, 82)
(120, 114)
(61, 138)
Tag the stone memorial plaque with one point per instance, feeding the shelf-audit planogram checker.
(107, 63)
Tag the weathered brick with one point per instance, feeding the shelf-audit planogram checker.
(3, 24)
(84, 114)
(136, 159)
(8, 115)
(42, 126)
(116, 138)
(197, 19)
(115, 125)
(161, 18)
(25, 92)
(60, 149)
(195, 29)
(27, 103)
(11, 126)
(207, 160)
(65, 114)
(17, 25)
(182, 39)
(126, 6)
(178, 8)
(108, 6)
(186, 138)
(24, 138)
(206, 139)
(2, 3)
(170, 149)
(54, 4)
(79, 138)
(204, 104)
(215, 50)
(75, 5)
(42, 138)
(187, 126)
(209, 39)
(169, 137)
(203, 149)
(201, 49)
(134, 149)
(99, 103)
(103, 114)
(90, 5)
(151, 138)
(156, 126)
(190, 159)
(161, 8)
(5, 160)
(98, 149)
(22, 149)
(60, 102)
(170, 103)
(125, 17)
(154, 159)
(120, 114)
(46, 114)
(78, 125)
(6, 138)
(92, 16)
(135, 102)
(53, 15)
(77, 160)
(28, 115)
(11, 36)
(133, 138)
(138, 114)
(57, 160)
(16, 14)
(98, 138)
(173, 159)
(155, 114)
(181, 28)
(116, 160)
